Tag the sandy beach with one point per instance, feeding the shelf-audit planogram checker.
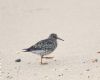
(25, 22)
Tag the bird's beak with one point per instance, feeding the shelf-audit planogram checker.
(60, 38)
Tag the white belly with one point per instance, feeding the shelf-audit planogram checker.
(40, 52)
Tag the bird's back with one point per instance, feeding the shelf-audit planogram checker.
(46, 45)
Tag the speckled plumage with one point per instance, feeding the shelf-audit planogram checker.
(45, 46)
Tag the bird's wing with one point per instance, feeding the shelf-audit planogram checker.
(41, 45)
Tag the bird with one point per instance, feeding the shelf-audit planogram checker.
(44, 47)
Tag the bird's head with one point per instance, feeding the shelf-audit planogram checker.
(54, 36)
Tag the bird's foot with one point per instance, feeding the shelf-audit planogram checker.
(48, 57)
(44, 63)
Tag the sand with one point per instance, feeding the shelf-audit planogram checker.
(25, 22)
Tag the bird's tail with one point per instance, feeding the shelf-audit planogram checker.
(26, 50)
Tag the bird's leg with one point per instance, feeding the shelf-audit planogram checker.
(42, 62)
(41, 59)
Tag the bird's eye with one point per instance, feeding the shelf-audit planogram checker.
(55, 36)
